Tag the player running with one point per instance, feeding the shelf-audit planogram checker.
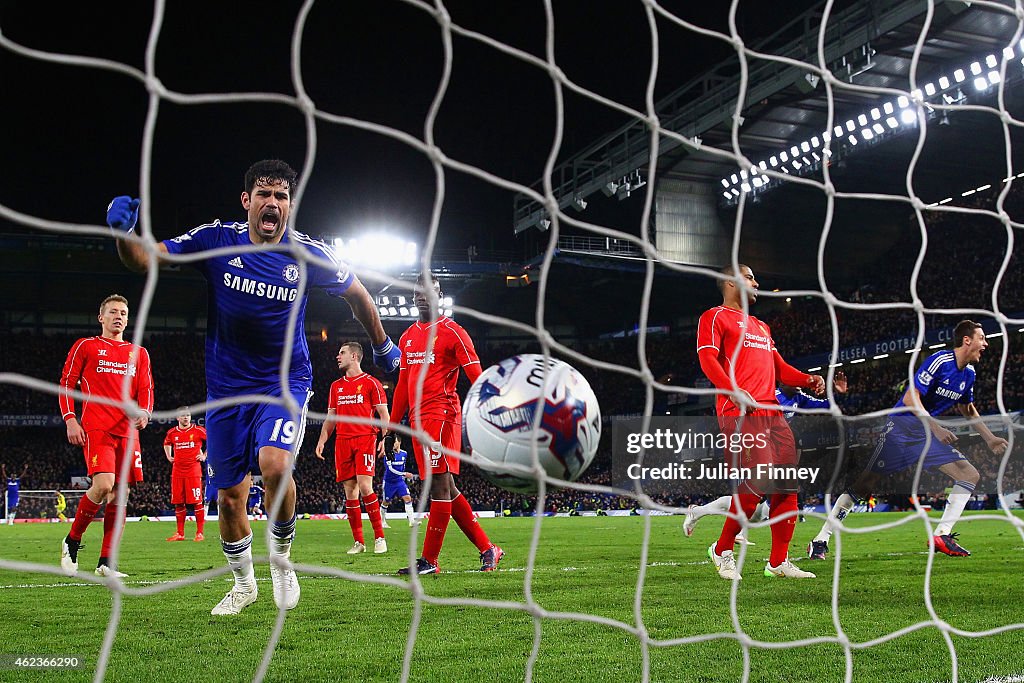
(944, 380)
(255, 297)
(359, 395)
(435, 348)
(184, 447)
(737, 353)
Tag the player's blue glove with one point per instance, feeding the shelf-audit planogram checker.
(123, 213)
(387, 356)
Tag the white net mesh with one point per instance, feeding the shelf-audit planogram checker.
(552, 199)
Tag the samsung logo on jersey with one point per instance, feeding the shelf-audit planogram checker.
(256, 288)
(947, 393)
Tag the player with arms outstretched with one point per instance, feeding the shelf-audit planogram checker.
(395, 476)
(107, 433)
(251, 297)
(356, 394)
(944, 380)
(184, 447)
(436, 348)
(737, 353)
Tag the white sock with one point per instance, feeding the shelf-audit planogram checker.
(719, 506)
(760, 512)
(410, 512)
(239, 556)
(281, 535)
(957, 501)
(839, 512)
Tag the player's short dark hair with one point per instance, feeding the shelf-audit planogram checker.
(964, 328)
(731, 272)
(112, 297)
(268, 171)
(357, 348)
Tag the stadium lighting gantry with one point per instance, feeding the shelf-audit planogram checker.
(875, 123)
(378, 251)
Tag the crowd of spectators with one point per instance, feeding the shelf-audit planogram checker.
(964, 254)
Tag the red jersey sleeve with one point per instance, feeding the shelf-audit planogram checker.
(377, 395)
(71, 374)
(167, 437)
(144, 375)
(465, 353)
(709, 330)
(787, 374)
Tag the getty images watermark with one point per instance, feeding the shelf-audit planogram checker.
(673, 455)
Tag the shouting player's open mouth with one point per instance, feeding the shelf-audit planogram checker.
(269, 221)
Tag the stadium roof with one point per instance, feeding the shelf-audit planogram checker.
(866, 45)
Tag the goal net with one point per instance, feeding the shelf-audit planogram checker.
(863, 158)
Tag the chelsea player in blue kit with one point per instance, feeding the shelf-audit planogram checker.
(944, 380)
(395, 475)
(251, 294)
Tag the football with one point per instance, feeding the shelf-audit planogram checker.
(498, 421)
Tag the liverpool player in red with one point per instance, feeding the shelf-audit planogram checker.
(107, 432)
(358, 395)
(185, 448)
(434, 348)
(738, 355)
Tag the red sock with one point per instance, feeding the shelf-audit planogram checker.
(437, 524)
(355, 519)
(782, 532)
(200, 518)
(463, 515)
(86, 511)
(373, 512)
(111, 529)
(179, 517)
(748, 503)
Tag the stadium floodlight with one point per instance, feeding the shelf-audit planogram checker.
(959, 76)
(851, 126)
(543, 224)
(867, 134)
(611, 187)
(578, 202)
(908, 116)
(1007, 53)
(903, 101)
(878, 129)
(929, 89)
(838, 130)
(888, 108)
(392, 311)
(980, 83)
(385, 301)
(993, 77)
(862, 120)
(383, 311)
(944, 82)
(774, 161)
(815, 142)
(783, 157)
(876, 114)
(448, 312)
(892, 122)
(991, 61)
(852, 140)
(447, 302)
(976, 69)
(401, 300)
(403, 311)
(725, 183)
(805, 146)
(378, 250)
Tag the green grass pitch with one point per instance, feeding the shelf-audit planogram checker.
(345, 630)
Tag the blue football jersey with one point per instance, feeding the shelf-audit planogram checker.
(942, 384)
(800, 400)
(250, 297)
(14, 483)
(255, 497)
(394, 466)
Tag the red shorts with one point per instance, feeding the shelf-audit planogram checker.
(355, 456)
(186, 490)
(442, 434)
(106, 453)
(761, 437)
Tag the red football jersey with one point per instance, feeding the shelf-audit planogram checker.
(187, 446)
(355, 397)
(100, 364)
(723, 329)
(452, 350)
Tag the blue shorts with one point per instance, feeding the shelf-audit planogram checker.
(235, 435)
(395, 489)
(901, 447)
(12, 501)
